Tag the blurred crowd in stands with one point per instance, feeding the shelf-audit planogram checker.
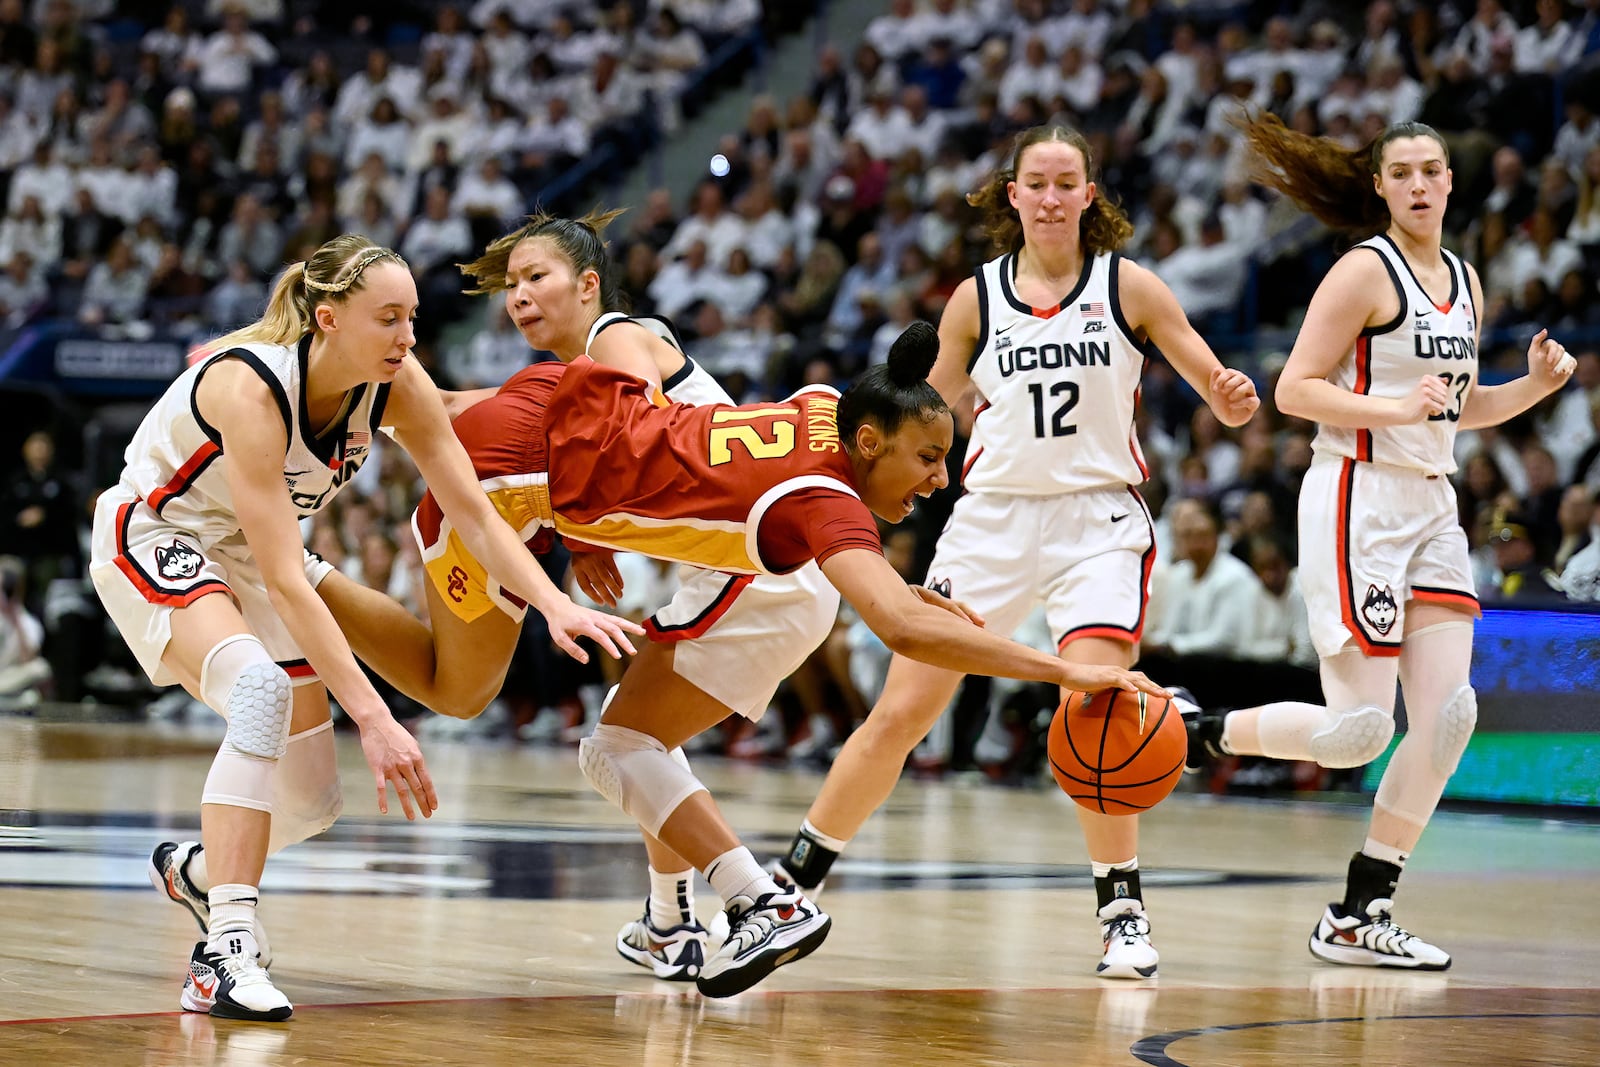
(158, 166)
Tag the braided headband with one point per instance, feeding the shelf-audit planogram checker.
(366, 259)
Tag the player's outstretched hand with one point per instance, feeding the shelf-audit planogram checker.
(1549, 364)
(1233, 396)
(394, 756)
(597, 575)
(1093, 677)
(568, 622)
(954, 607)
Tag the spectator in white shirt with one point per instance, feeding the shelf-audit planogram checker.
(553, 137)
(679, 282)
(22, 289)
(28, 228)
(1577, 136)
(1489, 27)
(1542, 254)
(227, 61)
(39, 85)
(1086, 27)
(446, 122)
(895, 33)
(1391, 93)
(494, 353)
(251, 235)
(882, 128)
(271, 125)
(1207, 278)
(451, 40)
(1033, 75)
(385, 133)
(1207, 598)
(1280, 630)
(609, 94)
(1544, 47)
(174, 42)
(668, 54)
(718, 229)
(487, 193)
(373, 176)
(362, 90)
(116, 288)
(440, 236)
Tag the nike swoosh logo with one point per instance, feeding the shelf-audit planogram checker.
(1119, 518)
(998, 331)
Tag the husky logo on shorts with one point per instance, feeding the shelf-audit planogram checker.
(177, 561)
(942, 587)
(1379, 609)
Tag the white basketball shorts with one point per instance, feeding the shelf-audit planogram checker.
(1372, 538)
(145, 568)
(739, 636)
(1086, 556)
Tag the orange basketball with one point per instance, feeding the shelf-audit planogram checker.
(1117, 752)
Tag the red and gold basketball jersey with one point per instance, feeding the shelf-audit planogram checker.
(585, 449)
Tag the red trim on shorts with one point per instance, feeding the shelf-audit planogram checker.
(1115, 633)
(1341, 562)
(1364, 385)
(1451, 598)
(697, 626)
(148, 589)
(191, 469)
(298, 668)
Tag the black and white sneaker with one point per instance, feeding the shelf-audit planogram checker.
(1204, 729)
(1372, 940)
(169, 873)
(1125, 936)
(763, 935)
(675, 954)
(231, 983)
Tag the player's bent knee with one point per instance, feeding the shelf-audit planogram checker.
(1352, 738)
(636, 773)
(259, 709)
(1457, 719)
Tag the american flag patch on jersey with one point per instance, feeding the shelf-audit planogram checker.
(360, 438)
(1094, 311)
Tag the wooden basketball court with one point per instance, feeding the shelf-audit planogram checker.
(963, 928)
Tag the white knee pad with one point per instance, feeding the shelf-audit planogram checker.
(636, 773)
(1352, 738)
(242, 684)
(1457, 719)
(306, 798)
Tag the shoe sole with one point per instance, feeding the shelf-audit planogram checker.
(223, 1010)
(672, 972)
(158, 879)
(738, 979)
(1102, 971)
(1365, 957)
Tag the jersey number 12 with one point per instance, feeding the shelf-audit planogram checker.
(1059, 426)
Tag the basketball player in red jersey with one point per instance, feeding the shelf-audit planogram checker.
(584, 450)
(1387, 364)
(1052, 337)
(726, 639)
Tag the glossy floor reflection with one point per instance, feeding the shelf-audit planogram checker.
(963, 929)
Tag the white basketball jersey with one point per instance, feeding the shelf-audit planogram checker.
(1388, 360)
(1057, 386)
(691, 383)
(175, 461)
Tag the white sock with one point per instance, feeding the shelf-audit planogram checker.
(1387, 853)
(1103, 870)
(736, 873)
(233, 908)
(195, 869)
(671, 898)
(832, 844)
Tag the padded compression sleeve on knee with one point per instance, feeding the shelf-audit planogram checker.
(636, 773)
(1457, 719)
(306, 798)
(242, 684)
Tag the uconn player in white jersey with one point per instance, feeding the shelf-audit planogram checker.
(1386, 364)
(721, 646)
(1050, 340)
(197, 556)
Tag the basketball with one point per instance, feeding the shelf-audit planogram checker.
(1117, 752)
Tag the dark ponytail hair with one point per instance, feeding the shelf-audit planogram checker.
(1326, 179)
(1101, 228)
(889, 394)
(578, 241)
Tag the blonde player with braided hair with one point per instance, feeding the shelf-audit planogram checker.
(261, 431)
(1386, 363)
